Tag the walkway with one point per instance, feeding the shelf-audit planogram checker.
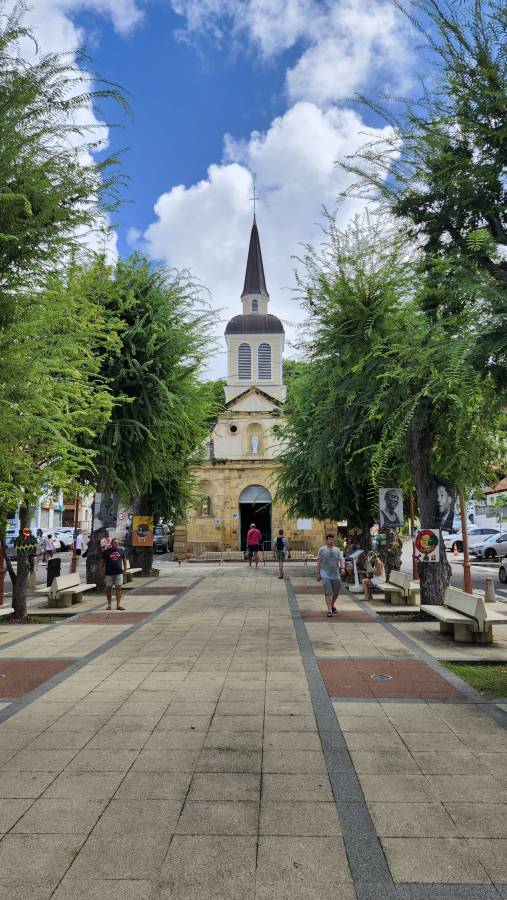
(233, 743)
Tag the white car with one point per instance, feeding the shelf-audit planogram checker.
(495, 545)
(476, 535)
(502, 572)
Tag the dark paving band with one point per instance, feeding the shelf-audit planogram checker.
(80, 663)
(368, 865)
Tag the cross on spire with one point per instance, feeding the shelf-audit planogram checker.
(255, 196)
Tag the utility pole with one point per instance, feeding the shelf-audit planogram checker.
(73, 562)
(412, 533)
(467, 575)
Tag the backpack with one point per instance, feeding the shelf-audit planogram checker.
(279, 544)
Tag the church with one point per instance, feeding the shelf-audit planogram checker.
(236, 482)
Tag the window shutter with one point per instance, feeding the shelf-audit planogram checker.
(244, 362)
(264, 361)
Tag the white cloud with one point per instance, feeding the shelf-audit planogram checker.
(206, 227)
(344, 44)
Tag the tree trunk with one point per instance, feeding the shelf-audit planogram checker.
(434, 576)
(23, 568)
(142, 556)
(93, 557)
(390, 553)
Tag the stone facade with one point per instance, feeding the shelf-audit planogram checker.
(236, 484)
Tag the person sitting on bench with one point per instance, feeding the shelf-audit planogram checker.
(377, 574)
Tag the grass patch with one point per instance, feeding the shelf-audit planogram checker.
(489, 680)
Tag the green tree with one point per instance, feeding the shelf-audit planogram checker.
(52, 192)
(442, 169)
(162, 408)
(391, 395)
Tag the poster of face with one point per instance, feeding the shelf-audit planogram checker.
(445, 500)
(390, 508)
(142, 531)
(106, 510)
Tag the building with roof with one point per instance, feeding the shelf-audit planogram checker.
(237, 480)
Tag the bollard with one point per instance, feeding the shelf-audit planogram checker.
(489, 591)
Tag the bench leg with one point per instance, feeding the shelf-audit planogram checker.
(129, 577)
(77, 598)
(464, 634)
(445, 628)
(61, 602)
(484, 637)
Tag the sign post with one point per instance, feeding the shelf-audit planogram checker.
(467, 575)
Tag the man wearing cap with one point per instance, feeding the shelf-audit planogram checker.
(253, 544)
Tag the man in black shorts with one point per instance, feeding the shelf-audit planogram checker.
(115, 563)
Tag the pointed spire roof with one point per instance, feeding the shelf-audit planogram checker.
(255, 282)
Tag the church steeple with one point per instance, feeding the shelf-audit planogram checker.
(255, 282)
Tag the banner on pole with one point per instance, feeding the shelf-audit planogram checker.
(427, 545)
(142, 531)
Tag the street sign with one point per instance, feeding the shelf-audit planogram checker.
(427, 545)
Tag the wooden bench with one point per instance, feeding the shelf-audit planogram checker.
(400, 589)
(466, 617)
(65, 590)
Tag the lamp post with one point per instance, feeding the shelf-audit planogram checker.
(73, 562)
(412, 530)
(467, 575)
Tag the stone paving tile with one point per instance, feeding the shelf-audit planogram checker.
(219, 817)
(60, 817)
(71, 889)
(225, 786)
(209, 868)
(10, 812)
(434, 861)
(411, 820)
(302, 868)
(305, 819)
(45, 857)
(312, 788)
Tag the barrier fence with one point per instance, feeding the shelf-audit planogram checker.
(213, 551)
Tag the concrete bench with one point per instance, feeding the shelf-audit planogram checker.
(400, 589)
(466, 617)
(130, 572)
(65, 590)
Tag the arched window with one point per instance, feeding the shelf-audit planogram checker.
(255, 305)
(244, 362)
(264, 361)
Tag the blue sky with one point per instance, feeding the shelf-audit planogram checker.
(223, 90)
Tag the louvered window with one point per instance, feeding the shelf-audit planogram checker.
(255, 305)
(264, 361)
(245, 362)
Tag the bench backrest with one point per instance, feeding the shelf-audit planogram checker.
(400, 580)
(467, 604)
(64, 582)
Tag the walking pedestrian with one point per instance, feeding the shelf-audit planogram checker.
(330, 566)
(282, 548)
(253, 543)
(49, 548)
(115, 563)
(79, 543)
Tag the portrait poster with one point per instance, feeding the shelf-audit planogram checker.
(105, 513)
(390, 507)
(444, 504)
(142, 531)
(427, 545)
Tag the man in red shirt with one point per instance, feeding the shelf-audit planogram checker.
(253, 544)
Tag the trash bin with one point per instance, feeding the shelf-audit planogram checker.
(54, 566)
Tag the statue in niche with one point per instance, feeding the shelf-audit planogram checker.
(206, 506)
(254, 443)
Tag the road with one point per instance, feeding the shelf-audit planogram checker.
(480, 571)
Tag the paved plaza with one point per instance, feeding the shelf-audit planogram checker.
(222, 740)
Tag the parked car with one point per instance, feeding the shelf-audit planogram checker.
(476, 535)
(162, 538)
(65, 536)
(495, 545)
(502, 572)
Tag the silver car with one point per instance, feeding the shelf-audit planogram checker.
(495, 545)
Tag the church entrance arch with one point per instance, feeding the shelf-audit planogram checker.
(255, 506)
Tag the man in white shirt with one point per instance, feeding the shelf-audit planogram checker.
(330, 567)
(79, 543)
